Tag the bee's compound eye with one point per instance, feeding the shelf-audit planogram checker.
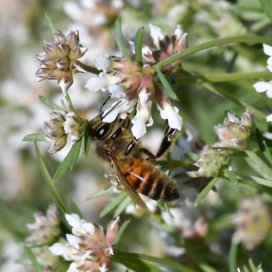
(102, 131)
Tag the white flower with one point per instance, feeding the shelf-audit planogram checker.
(156, 35)
(268, 51)
(102, 63)
(262, 86)
(171, 114)
(88, 247)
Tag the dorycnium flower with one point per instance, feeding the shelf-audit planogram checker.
(253, 222)
(46, 228)
(266, 86)
(87, 247)
(54, 131)
(134, 87)
(165, 46)
(211, 162)
(235, 131)
(60, 59)
(74, 126)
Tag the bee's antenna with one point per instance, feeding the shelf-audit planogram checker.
(110, 110)
(101, 108)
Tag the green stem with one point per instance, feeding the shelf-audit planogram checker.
(218, 42)
(221, 77)
(69, 101)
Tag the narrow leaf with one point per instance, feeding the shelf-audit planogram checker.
(100, 193)
(166, 85)
(50, 104)
(38, 267)
(116, 201)
(121, 231)
(233, 257)
(69, 161)
(121, 43)
(162, 261)
(86, 143)
(262, 181)
(138, 44)
(122, 206)
(267, 8)
(48, 180)
(258, 165)
(135, 264)
(35, 137)
(75, 209)
(50, 24)
(205, 191)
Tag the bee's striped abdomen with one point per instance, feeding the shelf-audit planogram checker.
(148, 180)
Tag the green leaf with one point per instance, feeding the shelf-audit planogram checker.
(86, 143)
(35, 137)
(267, 8)
(69, 161)
(38, 267)
(258, 165)
(121, 231)
(100, 193)
(121, 43)
(262, 181)
(136, 265)
(166, 85)
(50, 104)
(138, 44)
(177, 267)
(122, 206)
(48, 180)
(75, 209)
(116, 201)
(263, 146)
(231, 176)
(205, 191)
(233, 257)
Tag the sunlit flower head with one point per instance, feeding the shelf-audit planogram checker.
(134, 87)
(46, 228)
(235, 131)
(253, 222)
(87, 247)
(60, 59)
(165, 46)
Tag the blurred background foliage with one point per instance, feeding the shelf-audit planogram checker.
(23, 27)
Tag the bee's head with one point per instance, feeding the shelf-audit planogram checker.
(99, 130)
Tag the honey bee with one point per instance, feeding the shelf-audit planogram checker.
(132, 165)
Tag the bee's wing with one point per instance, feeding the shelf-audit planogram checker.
(131, 192)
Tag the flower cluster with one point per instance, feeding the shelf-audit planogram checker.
(60, 59)
(46, 228)
(136, 86)
(263, 86)
(253, 222)
(233, 135)
(88, 247)
(61, 125)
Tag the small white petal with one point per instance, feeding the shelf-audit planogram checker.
(267, 49)
(117, 91)
(156, 35)
(262, 86)
(269, 118)
(269, 64)
(147, 50)
(59, 249)
(97, 83)
(73, 220)
(139, 128)
(89, 228)
(102, 63)
(124, 106)
(73, 240)
(103, 268)
(171, 114)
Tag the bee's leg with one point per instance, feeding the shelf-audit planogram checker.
(130, 146)
(167, 141)
(150, 155)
